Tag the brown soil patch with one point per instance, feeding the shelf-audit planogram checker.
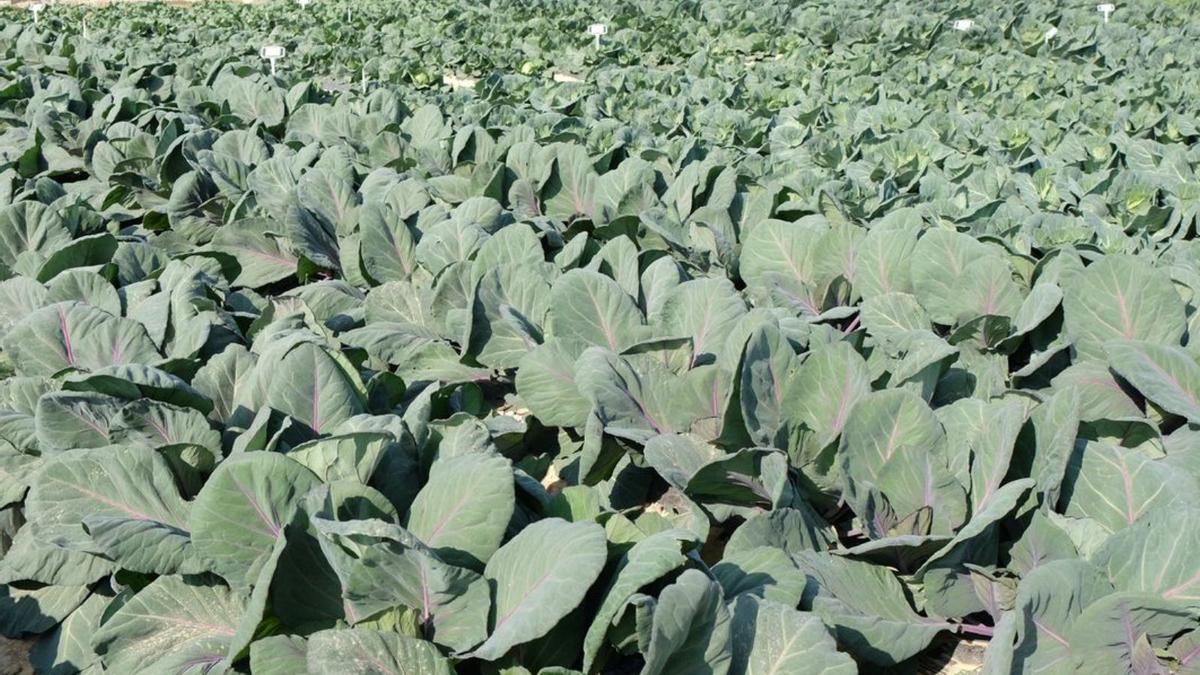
(14, 656)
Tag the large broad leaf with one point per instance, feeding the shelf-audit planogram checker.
(539, 577)
(769, 637)
(1049, 600)
(121, 502)
(68, 648)
(75, 335)
(29, 230)
(707, 311)
(1165, 374)
(311, 385)
(464, 508)
(1156, 556)
(775, 247)
(788, 529)
(1121, 298)
(631, 402)
(33, 558)
(509, 309)
(1055, 425)
(649, 560)
(1116, 634)
(707, 473)
(388, 245)
(957, 278)
(763, 572)
(70, 420)
(263, 256)
(391, 569)
(546, 383)
(949, 587)
(866, 608)
(830, 382)
(171, 625)
(34, 608)
(239, 514)
(768, 372)
(690, 629)
(884, 261)
(882, 426)
(591, 307)
(279, 655)
(1115, 486)
(366, 652)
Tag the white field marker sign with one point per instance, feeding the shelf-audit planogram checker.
(85, 30)
(964, 25)
(1051, 34)
(272, 53)
(36, 8)
(598, 29)
(303, 3)
(1106, 9)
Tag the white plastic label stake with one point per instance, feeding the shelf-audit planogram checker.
(303, 3)
(36, 8)
(1106, 9)
(1051, 34)
(964, 24)
(598, 29)
(272, 53)
(85, 30)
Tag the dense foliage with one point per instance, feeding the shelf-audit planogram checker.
(766, 337)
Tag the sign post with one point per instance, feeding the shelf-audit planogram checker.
(1106, 9)
(598, 29)
(272, 53)
(1051, 34)
(36, 8)
(964, 25)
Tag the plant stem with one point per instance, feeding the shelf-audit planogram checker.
(976, 629)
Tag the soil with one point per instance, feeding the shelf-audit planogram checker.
(14, 656)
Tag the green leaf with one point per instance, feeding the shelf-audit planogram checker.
(539, 577)
(172, 624)
(589, 306)
(1156, 557)
(1049, 601)
(649, 560)
(1121, 298)
(33, 608)
(279, 655)
(690, 630)
(79, 336)
(763, 572)
(1115, 486)
(365, 652)
(121, 502)
(242, 509)
(1165, 374)
(866, 608)
(770, 637)
(68, 648)
(464, 508)
(957, 278)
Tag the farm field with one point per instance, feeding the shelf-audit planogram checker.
(719, 337)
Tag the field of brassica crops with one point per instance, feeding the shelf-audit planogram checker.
(730, 337)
